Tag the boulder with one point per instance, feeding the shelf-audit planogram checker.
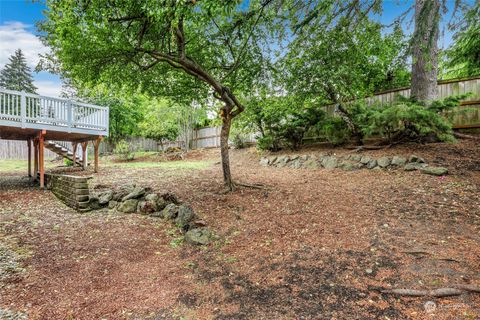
(365, 160)
(128, 206)
(170, 211)
(184, 217)
(372, 164)
(282, 161)
(122, 192)
(295, 164)
(414, 158)
(414, 166)
(105, 197)
(147, 206)
(350, 165)
(112, 204)
(383, 162)
(398, 161)
(436, 171)
(355, 157)
(152, 197)
(311, 164)
(330, 162)
(264, 161)
(94, 203)
(170, 198)
(199, 236)
(136, 193)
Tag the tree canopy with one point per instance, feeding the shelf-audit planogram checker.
(16, 75)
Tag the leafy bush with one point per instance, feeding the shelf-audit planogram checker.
(410, 120)
(68, 162)
(335, 130)
(239, 141)
(124, 151)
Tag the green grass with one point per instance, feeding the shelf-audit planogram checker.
(180, 165)
(19, 165)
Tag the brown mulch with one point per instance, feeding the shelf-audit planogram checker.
(315, 244)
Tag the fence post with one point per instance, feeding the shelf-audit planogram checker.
(23, 108)
(69, 116)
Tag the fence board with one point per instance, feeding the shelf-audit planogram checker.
(17, 150)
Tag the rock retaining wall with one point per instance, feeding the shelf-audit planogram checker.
(352, 162)
(71, 190)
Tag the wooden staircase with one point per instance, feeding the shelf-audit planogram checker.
(62, 150)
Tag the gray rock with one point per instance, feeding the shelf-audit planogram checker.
(200, 236)
(398, 161)
(282, 161)
(414, 166)
(310, 164)
(112, 204)
(350, 165)
(135, 194)
(128, 206)
(414, 158)
(372, 164)
(330, 162)
(355, 157)
(295, 164)
(122, 192)
(94, 203)
(365, 160)
(264, 161)
(272, 160)
(170, 211)
(147, 206)
(383, 162)
(152, 197)
(294, 157)
(184, 217)
(304, 157)
(436, 171)
(105, 197)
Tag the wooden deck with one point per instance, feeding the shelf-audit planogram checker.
(51, 123)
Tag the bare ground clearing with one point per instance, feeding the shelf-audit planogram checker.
(314, 245)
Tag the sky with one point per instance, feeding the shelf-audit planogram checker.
(18, 30)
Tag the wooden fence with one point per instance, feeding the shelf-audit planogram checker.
(446, 88)
(17, 150)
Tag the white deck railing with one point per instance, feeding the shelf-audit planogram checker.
(28, 110)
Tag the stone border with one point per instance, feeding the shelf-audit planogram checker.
(352, 162)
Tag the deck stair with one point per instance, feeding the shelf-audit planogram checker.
(63, 150)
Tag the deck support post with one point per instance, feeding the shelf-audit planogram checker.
(35, 159)
(29, 154)
(74, 150)
(96, 145)
(41, 157)
(84, 155)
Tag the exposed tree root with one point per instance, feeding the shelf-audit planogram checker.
(465, 136)
(361, 148)
(453, 290)
(245, 185)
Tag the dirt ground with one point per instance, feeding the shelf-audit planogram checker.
(315, 244)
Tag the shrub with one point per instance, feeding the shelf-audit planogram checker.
(335, 130)
(68, 162)
(410, 120)
(239, 141)
(123, 150)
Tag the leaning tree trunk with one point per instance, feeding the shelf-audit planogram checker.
(425, 50)
(224, 134)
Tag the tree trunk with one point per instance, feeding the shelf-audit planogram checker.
(425, 50)
(224, 133)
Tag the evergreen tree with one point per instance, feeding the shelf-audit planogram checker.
(16, 75)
